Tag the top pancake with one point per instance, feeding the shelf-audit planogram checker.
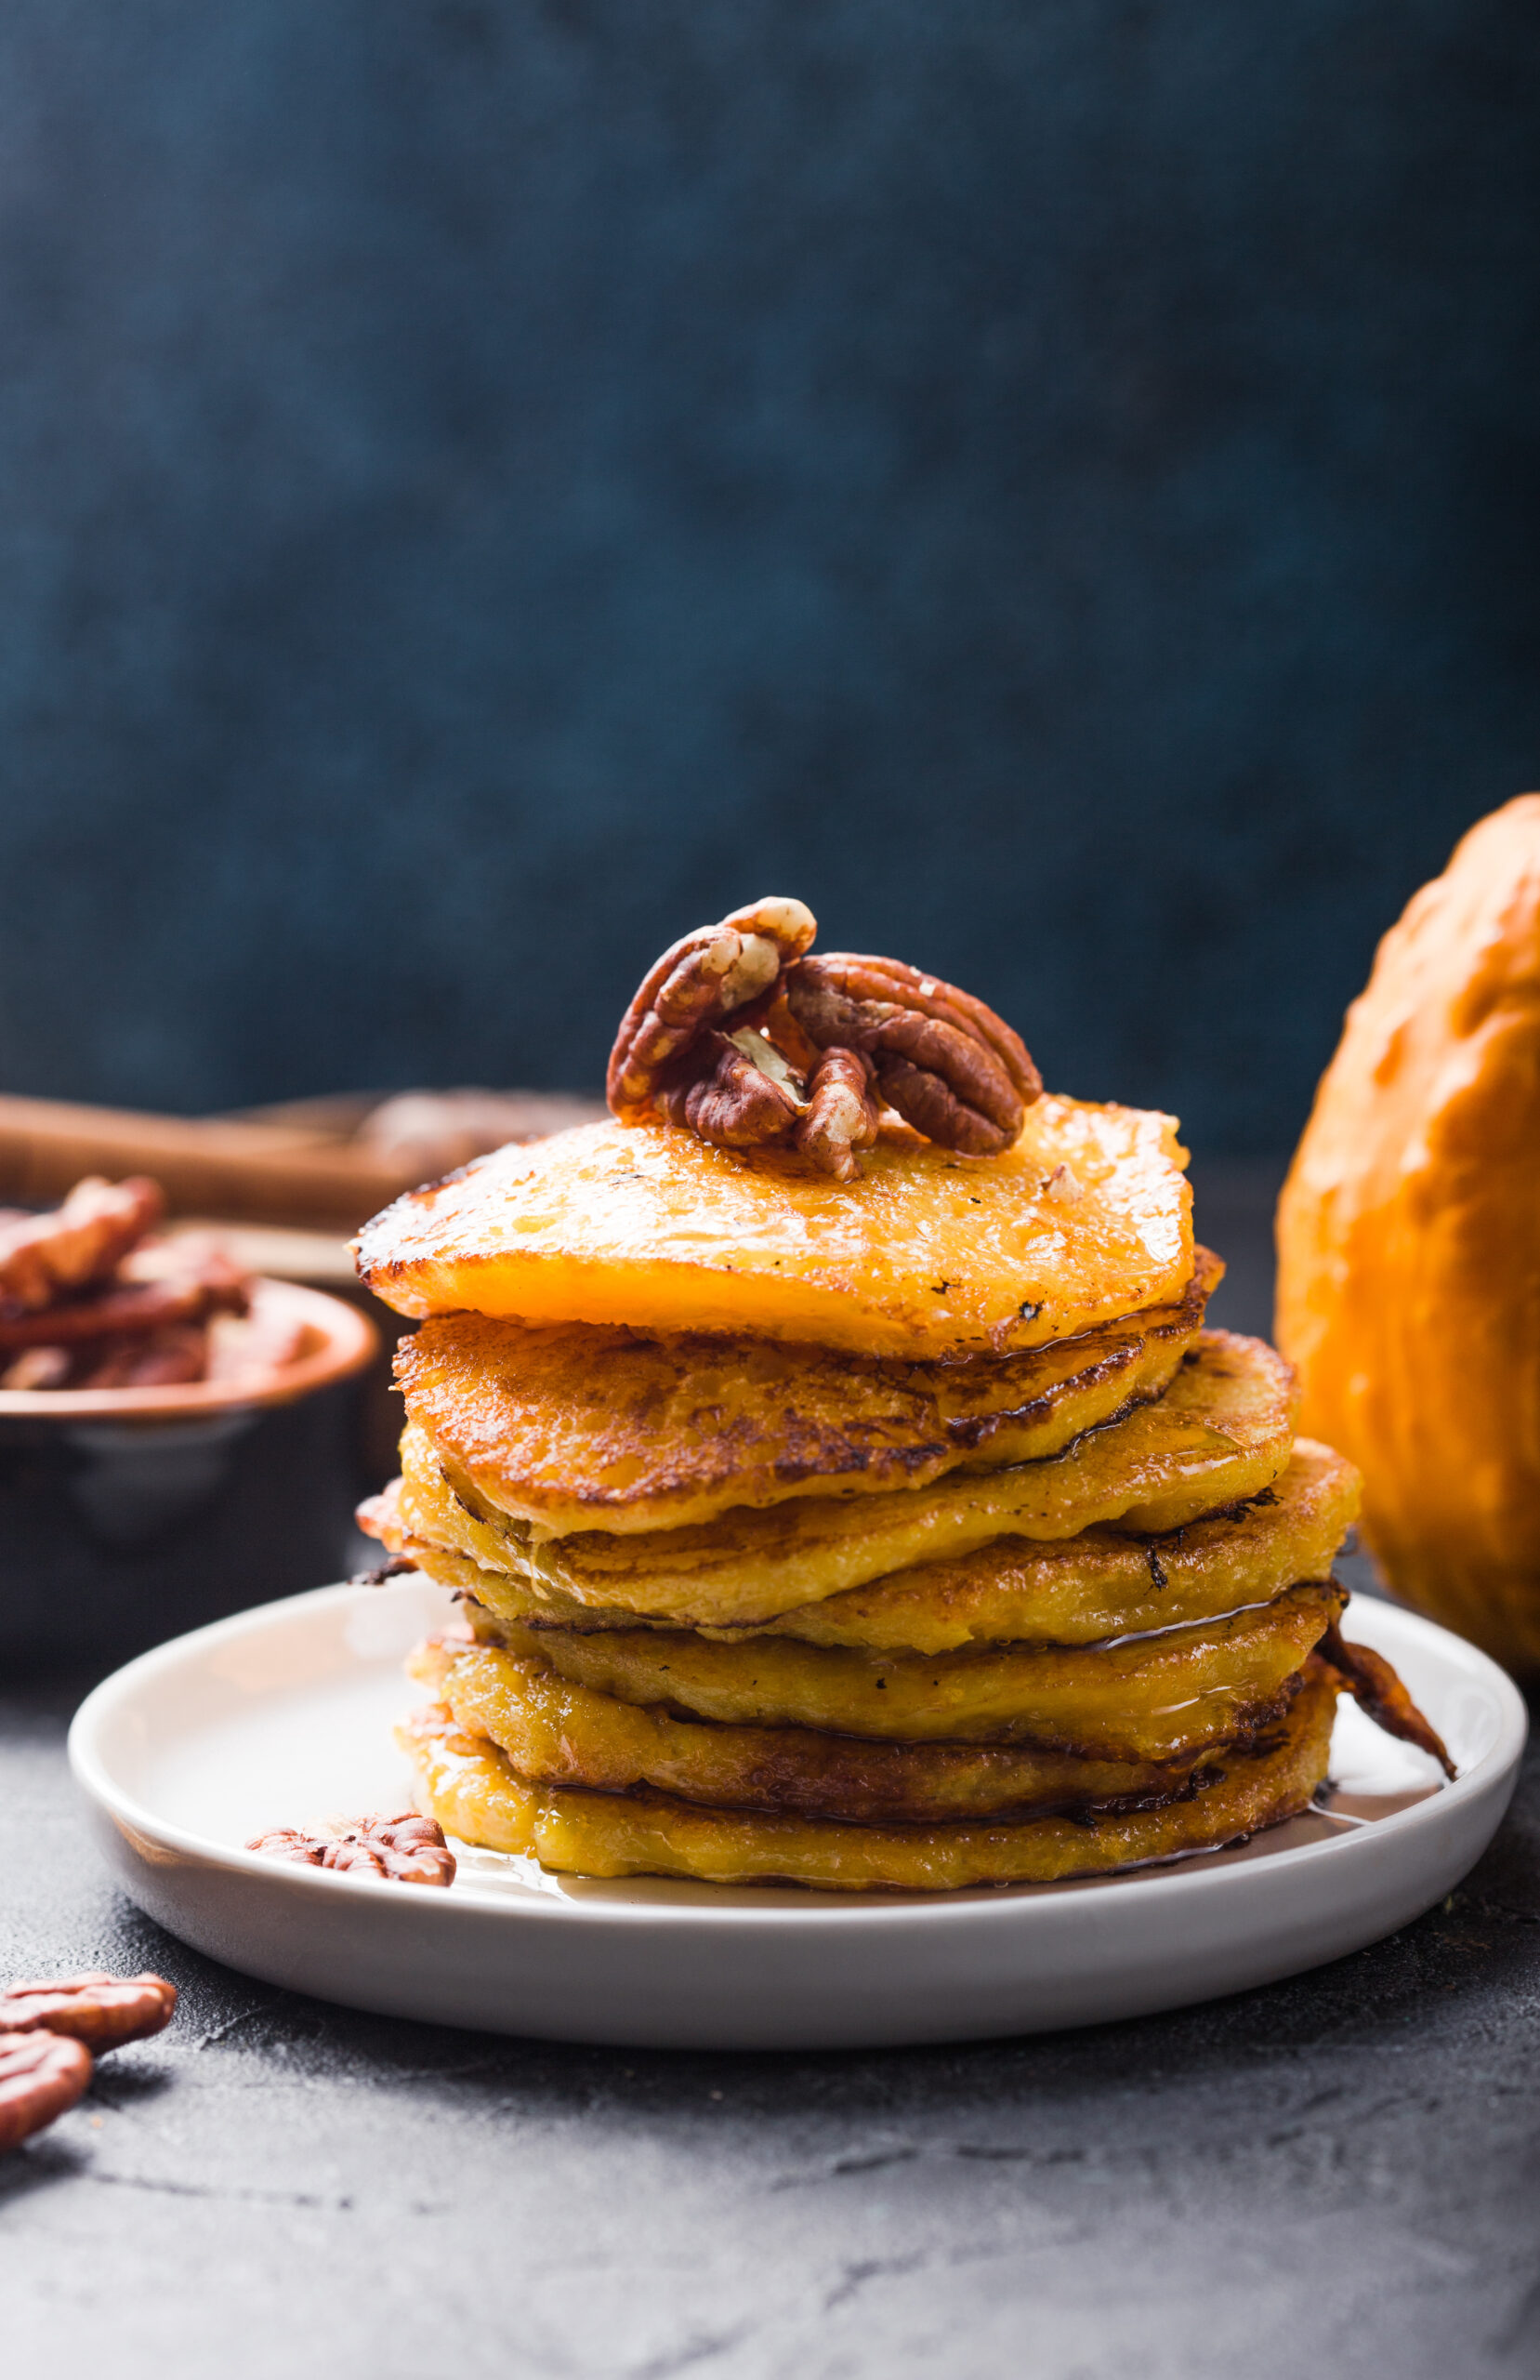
(1087, 1219)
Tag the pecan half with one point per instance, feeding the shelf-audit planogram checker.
(841, 1115)
(731, 1101)
(119, 1312)
(37, 1368)
(159, 1359)
(406, 1849)
(698, 981)
(42, 1257)
(40, 2075)
(125, 1308)
(100, 2010)
(945, 1062)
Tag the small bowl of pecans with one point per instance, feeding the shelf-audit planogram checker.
(104, 1317)
(136, 1361)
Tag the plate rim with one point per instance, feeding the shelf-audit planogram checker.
(1189, 1875)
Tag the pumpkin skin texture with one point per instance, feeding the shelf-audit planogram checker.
(1408, 1243)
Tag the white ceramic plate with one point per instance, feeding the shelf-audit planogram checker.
(284, 1715)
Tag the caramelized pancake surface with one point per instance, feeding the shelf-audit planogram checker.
(1102, 1583)
(1165, 1697)
(1087, 1218)
(1223, 1432)
(578, 1427)
(554, 1732)
(476, 1794)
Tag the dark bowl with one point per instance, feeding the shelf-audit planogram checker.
(129, 1514)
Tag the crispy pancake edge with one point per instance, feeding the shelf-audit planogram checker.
(1163, 1696)
(475, 1795)
(580, 1428)
(1224, 1431)
(1103, 1582)
(554, 1732)
(652, 1228)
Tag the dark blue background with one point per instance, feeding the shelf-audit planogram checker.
(488, 487)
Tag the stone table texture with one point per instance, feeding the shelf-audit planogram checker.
(1336, 2175)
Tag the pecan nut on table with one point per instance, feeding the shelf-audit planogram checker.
(42, 2075)
(48, 2030)
(405, 1849)
(742, 1035)
(104, 2011)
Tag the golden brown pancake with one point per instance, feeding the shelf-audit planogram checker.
(555, 1733)
(1223, 1432)
(476, 1794)
(577, 1427)
(1087, 1218)
(1103, 1582)
(1164, 1696)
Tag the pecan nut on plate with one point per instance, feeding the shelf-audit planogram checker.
(104, 2011)
(403, 1850)
(742, 1035)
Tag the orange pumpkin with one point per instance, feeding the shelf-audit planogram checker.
(1408, 1243)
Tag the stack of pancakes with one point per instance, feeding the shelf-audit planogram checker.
(910, 1531)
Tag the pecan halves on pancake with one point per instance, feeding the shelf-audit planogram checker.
(1380, 1692)
(947, 1062)
(404, 1850)
(45, 1257)
(41, 2076)
(104, 2011)
(731, 1101)
(841, 1113)
(700, 980)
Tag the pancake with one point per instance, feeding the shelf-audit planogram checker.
(1087, 1219)
(1162, 1696)
(1221, 1433)
(577, 1427)
(476, 1795)
(1103, 1582)
(555, 1733)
